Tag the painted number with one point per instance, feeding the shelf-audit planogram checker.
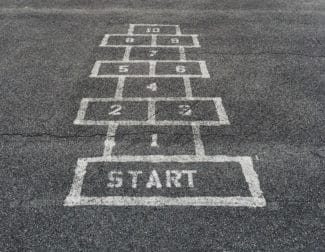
(154, 30)
(185, 110)
(129, 40)
(123, 69)
(116, 110)
(153, 53)
(152, 87)
(180, 69)
(174, 40)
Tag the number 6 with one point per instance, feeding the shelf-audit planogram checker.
(180, 69)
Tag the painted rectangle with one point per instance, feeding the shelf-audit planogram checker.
(154, 87)
(123, 40)
(184, 41)
(117, 110)
(155, 29)
(150, 69)
(153, 140)
(135, 108)
(193, 110)
(150, 40)
(95, 186)
(123, 68)
(153, 53)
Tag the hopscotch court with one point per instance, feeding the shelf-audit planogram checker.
(143, 45)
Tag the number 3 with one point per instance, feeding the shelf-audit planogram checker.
(185, 110)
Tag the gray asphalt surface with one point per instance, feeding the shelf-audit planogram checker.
(267, 62)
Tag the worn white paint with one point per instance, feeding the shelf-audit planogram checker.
(172, 176)
(154, 140)
(199, 147)
(110, 139)
(127, 53)
(151, 111)
(256, 200)
(152, 69)
(187, 86)
(120, 87)
(151, 119)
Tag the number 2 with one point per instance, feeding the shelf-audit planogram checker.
(116, 110)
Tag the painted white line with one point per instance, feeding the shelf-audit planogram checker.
(221, 111)
(152, 68)
(169, 158)
(199, 147)
(95, 70)
(178, 30)
(154, 40)
(188, 88)
(104, 41)
(82, 110)
(217, 100)
(257, 199)
(165, 201)
(148, 123)
(76, 187)
(127, 52)
(120, 87)
(151, 111)
(131, 29)
(147, 61)
(154, 25)
(159, 46)
(182, 55)
(204, 69)
(149, 76)
(195, 40)
(150, 34)
(110, 139)
(251, 177)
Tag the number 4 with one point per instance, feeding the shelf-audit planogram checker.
(152, 87)
(153, 53)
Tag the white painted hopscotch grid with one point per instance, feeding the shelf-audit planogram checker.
(124, 69)
(150, 70)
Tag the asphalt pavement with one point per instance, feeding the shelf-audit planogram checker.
(265, 60)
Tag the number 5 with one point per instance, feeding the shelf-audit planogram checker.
(123, 69)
